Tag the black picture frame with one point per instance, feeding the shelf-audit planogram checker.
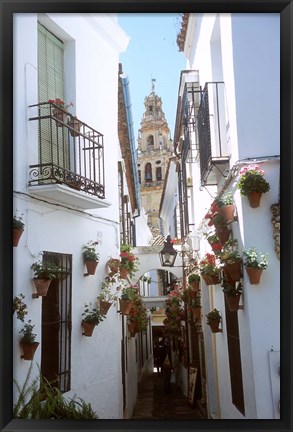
(7, 9)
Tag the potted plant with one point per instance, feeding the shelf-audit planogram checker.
(195, 308)
(193, 281)
(74, 126)
(209, 269)
(232, 261)
(254, 263)
(214, 241)
(173, 311)
(128, 295)
(137, 319)
(20, 307)
(114, 265)
(91, 317)
(106, 298)
(28, 341)
(59, 110)
(232, 292)
(44, 273)
(90, 257)
(17, 229)
(129, 262)
(226, 206)
(222, 230)
(213, 320)
(252, 184)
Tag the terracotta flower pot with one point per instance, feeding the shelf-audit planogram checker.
(254, 274)
(235, 271)
(113, 264)
(125, 306)
(254, 199)
(88, 328)
(228, 212)
(213, 279)
(194, 286)
(105, 306)
(123, 273)
(196, 312)
(28, 350)
(17, 233)
(76, 125)
(214, 324)
(223, 234)
(42, 286)
(91, 266)
(132, 328)
(233, 302)
(60, 116)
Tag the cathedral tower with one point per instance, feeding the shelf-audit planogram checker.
(154, 149)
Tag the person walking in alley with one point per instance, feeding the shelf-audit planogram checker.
(167, 372)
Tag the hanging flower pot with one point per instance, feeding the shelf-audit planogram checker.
(216, 246)
(214, 324)
(234, 270)
(42, 286)
(75, 125)
(213, 279)
(206, 278)
(105, 306)
(194, 286)
(233, 302)
(123, 273)
(60, 116)
(228, 212)
(91, 267)
(254, 274)
(17, 233)
(196, 312)
(29, 350)
(223, 233)
(88, 328)
(132, 328)
(114, 265)
(125, 306)
(254, 199)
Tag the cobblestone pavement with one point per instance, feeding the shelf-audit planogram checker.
(153, 403)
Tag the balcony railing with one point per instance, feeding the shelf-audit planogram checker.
(212, 131)
(69, 152)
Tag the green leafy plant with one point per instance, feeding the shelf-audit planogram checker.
(106, 289)
(195, 302)
(45, 270)
(232, 289)
(128, 259)
(252, 180)
(173, 311)
(230, 253)
(38, 399)
(89, 252)
(129, 293)
(27, 333)
(20, 307)
(92, 315)
(18, 223)
(225, 199)
(138, 314)
(214, 315)
(255, 259)
(208, 265)
(194, 277)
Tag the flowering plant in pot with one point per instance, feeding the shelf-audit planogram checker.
(209, 269)
(127, 297)
(226, 206)
(106, 297)
(75, 126)
(232, 292)
(44, 273)
(59, 110)
(18, 228)
(213, 320)
(129, 263)
(232, 261)
(90, 256)
(193, 281)
(195, 308)
(254, 262)
(91, 317)
(28, 341)
(252, 184)
(173, 311)
(20, 307)
(114, 264)
(137, 318)
(214, 241)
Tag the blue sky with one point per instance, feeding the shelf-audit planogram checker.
(152, 53)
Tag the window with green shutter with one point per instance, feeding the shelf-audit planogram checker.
(53, 142)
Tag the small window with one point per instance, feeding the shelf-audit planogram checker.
(159, 173)
(158, 162)
(148, 172)
(150, 141)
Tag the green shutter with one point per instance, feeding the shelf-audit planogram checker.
(51, 86)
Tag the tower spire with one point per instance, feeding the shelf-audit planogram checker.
(153, 85)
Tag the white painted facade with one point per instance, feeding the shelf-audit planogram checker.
(242, 51)
(92, 44)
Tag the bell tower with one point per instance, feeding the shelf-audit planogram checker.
(154, 149)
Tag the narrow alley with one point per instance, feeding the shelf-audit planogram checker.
(153, 403)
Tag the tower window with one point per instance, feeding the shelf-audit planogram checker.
(150, 142)
(148, 172)
(159, 173)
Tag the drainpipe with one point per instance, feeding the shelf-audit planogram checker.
(125, 87)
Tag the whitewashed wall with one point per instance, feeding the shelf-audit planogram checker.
(243, 51)
(92, 47)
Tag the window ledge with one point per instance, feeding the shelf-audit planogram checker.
(67, 196)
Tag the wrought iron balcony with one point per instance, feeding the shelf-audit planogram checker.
(69, 153)
(213, 128)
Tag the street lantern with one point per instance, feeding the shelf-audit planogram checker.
(168, 253)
